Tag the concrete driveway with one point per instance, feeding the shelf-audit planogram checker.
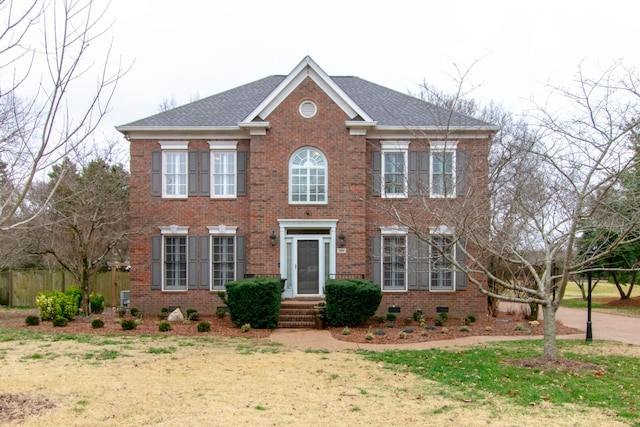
(604, 326)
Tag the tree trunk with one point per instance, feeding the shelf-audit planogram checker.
(550, 351)
(534, 311)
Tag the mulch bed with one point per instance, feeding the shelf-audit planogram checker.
(149, 326)
(505, 324)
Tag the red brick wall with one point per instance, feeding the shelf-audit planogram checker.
(350, 202)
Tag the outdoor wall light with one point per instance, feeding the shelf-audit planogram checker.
(273, 237)
(341, 239)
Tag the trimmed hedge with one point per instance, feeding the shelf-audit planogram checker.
(255, 301)
(351, 302)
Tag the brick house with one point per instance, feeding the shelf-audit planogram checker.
(289, 176)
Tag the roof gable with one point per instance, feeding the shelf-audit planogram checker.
(307, 68)
(372, 109)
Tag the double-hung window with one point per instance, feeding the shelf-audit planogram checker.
(443, 169)
(394, 169)
(223, 256)
(394, 259)
(308, 177)
(174, 169)
(442, 269)
(174, 258)
(223, 169)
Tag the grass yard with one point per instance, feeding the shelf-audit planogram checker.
(118, 380)
(605, 297)
(606, 378)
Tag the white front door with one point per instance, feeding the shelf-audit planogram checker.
(307, 256)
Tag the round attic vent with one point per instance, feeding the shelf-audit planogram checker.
(308, 109)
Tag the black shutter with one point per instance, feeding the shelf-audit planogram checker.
(192, 178)
(205, 272)
(425, 163)
(156, 262)
(461, 258)
(241, 257)
(242, 173)
(376, 171)
(414, 266)
(418, 263)
(205, 173)
(156, 173)
(192, 262)
(414, 175)
(461, 173)
(376, 262)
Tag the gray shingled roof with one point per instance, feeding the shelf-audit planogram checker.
(386, 106)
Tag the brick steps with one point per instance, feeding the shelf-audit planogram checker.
(297, 314)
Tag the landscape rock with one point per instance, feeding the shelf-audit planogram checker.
(176, 316)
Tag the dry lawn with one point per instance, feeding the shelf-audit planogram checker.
(132, 380)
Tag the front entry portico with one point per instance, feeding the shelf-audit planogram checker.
(307, 255)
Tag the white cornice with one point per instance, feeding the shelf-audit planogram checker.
(358, 127)
(255, 128)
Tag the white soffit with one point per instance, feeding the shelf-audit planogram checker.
(307, 68)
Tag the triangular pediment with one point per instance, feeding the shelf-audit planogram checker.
(307, 68)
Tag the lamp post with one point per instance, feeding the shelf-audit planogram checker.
(589, 330)
(589, 337)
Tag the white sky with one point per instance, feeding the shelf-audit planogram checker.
(193, 48)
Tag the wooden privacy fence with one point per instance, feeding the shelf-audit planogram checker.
(19, 288)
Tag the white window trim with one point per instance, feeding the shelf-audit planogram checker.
(326, 179)
(222, 231)
(442, 231)
(443, 147)
(174, 145)
(177, 147)
(174, 231)
(223, 145)
(235, 175)
(395, 231)
(395, 147)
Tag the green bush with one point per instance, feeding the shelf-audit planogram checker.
(192, 314)
(75, 294)
(32, 320)
(97, 303)
(220, 312)
(391, 317)
(60, 321)
(204, 327)
(254, 301)
(471, 318)
(57, 304)
(351, 302)
(128, 324)
(97, 323)
(164, 326)
(134, 312)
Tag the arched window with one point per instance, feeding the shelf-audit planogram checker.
(308, 177)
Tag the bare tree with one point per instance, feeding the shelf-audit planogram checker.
(551, 180)
(85, 222)
(45, 108)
